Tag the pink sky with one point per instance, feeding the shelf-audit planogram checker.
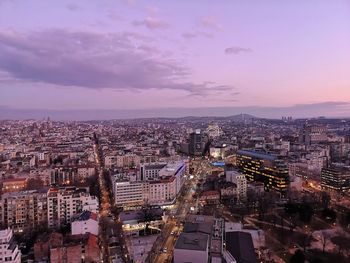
(161, 54)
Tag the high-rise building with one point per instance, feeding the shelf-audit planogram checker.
(197, 143)
(336, 178)
(263, 167)
(9, 251)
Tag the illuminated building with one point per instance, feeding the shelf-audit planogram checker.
(336, 178)
(263, 167)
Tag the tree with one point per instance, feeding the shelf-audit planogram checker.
(298, 257)
(329, 214)
(324, 240)
(325, 199)
(305, 213)
(34, 184)
(342, 242)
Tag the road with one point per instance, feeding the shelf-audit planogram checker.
(108, 224)
(185, 201)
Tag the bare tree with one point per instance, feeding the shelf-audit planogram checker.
(324, 239)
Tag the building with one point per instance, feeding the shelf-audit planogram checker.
(156, 186)
(150, 171)
(65, 202)
(86, 222)
(192, 247)
(134, 221)
(240, 246)
(197, 143)
(214, 130)
(201, 240)
(336, 178)
(129, 194)
(269, 169)
(63, 175)
(9, 251)
(127, 160)
(313, 133)
(13, 184)
(234, 176)
(23, 210)
(210, 197)
(76, 248)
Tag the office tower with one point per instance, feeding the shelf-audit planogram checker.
(336, 178)
(197, 143)
(264, 167)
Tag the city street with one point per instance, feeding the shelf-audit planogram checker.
(184, 204)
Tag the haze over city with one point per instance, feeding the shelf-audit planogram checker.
(265, 58)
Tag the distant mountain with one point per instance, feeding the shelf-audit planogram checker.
(242, 117)
(329, 109)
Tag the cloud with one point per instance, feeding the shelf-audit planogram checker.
(73, 7)
(151, 23)
(188, 35)
(237, 50)
(210, 22)
(192, 35)
(120, 61)
(130, 3)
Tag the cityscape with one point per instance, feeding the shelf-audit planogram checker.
(137, 131)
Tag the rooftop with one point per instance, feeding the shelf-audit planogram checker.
(192, 241)
(85, 215)
(260, 155)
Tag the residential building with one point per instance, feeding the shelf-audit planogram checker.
(9, 251)
(239, 179)
(76, 248)
(23, 210)
(65, 202)
(85, 222)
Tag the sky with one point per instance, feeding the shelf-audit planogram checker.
(266, 57)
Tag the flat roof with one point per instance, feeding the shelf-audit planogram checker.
(192, 241)
(256, 154)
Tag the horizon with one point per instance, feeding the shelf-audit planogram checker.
(122, 114)
(134, 55)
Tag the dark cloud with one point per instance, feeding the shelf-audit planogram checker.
(151, 23)
(68, 58)
(237, 50)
